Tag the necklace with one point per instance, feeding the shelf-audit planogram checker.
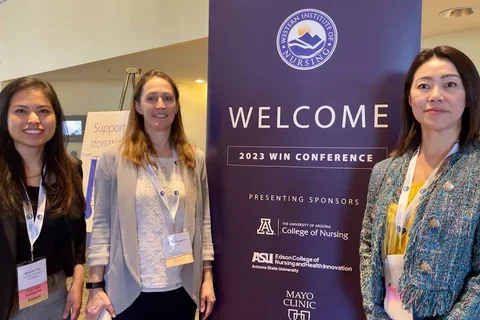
(162, 165)
(33, 176)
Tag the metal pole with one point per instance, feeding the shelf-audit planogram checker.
(124, 91)
(133, 81)
(133, 72)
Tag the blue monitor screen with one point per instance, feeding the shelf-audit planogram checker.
(72, 127)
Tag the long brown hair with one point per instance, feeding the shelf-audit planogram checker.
(137, 146)
(65, 195)
(411, 132)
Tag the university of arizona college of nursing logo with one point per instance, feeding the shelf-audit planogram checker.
(307, 39)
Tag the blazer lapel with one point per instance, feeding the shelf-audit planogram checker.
(126, 206)
(10, 229)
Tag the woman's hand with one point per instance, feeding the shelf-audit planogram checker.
(96, 303)
(207, 294)
(74, 301)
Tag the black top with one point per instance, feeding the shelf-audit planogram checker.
(51, 242)
(62, 240)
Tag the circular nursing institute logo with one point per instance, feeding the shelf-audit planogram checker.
(307, 39)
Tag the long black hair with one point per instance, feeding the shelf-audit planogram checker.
(65, 195)
(411, 133)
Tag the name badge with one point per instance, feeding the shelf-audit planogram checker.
(32, 283)
(177, 249)
(393, 270)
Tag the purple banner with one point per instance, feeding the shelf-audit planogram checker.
(304, 99)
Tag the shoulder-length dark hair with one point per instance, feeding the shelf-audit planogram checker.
(136, 145)
(411, 132)
(62, 179)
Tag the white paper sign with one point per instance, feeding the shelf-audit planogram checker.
(101, 130)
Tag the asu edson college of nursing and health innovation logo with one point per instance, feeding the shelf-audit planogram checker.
(307, 39)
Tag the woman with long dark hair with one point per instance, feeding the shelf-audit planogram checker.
(42, 225)
(420, 241)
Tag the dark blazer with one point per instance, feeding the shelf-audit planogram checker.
(8, 251)
(73, 253)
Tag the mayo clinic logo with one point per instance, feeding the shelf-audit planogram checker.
(265, 227)
(294, 314)
(307, 39)
(300, 304)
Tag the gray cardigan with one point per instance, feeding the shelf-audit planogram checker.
(114, 232)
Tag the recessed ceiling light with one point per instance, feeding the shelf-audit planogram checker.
(458, 12)
(200, 81)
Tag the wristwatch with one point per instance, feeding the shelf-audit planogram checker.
(95, 285)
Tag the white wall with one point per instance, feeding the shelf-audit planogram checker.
(52, 34)
(80, 97)
(193, 100)
(468, 42)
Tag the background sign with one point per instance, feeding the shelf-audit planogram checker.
(101, 130)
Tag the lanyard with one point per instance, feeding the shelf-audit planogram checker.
(403, 210)
(35, 224)
(161, 192)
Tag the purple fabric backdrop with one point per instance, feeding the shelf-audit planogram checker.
(304, 99)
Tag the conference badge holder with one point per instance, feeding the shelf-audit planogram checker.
(32, 282)
(177, 249)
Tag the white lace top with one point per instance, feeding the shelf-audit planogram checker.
(152, 226)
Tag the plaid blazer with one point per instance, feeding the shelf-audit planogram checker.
(441, 275)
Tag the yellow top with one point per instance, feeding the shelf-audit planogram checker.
(395, 243)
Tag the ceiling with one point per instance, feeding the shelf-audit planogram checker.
(187, 61)
(434, 24)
